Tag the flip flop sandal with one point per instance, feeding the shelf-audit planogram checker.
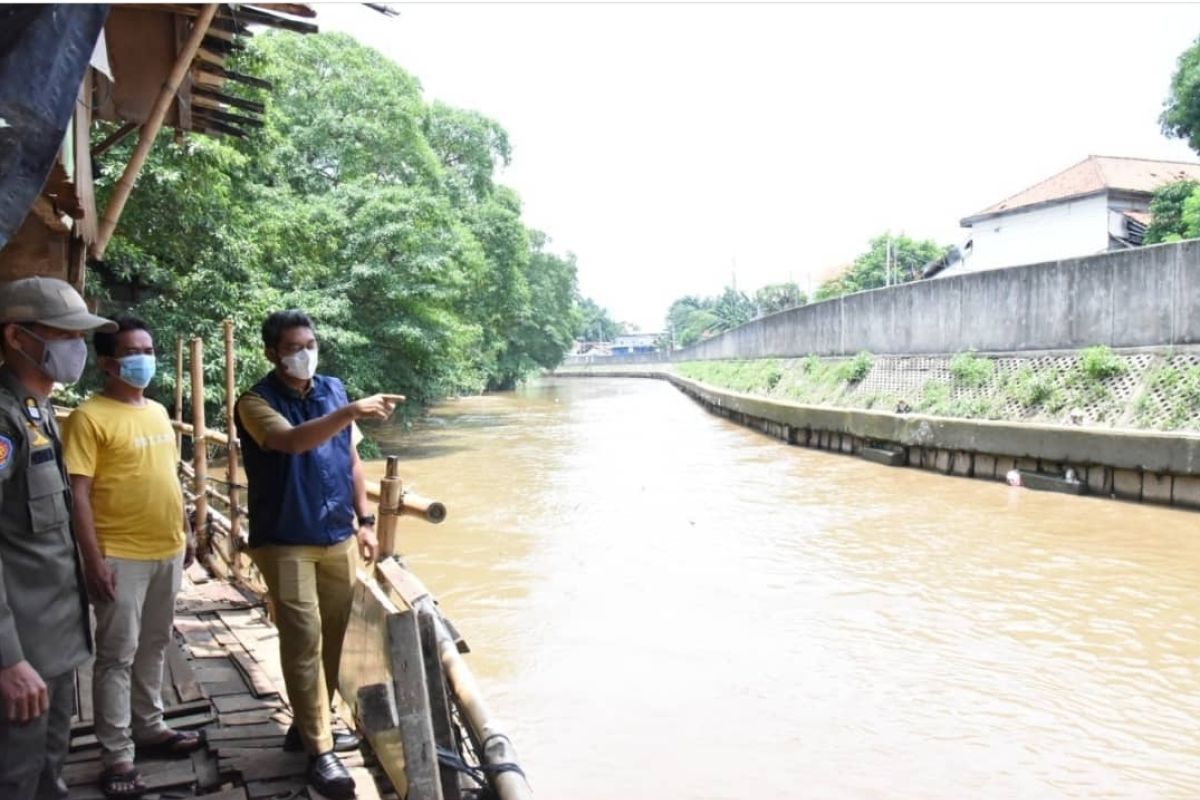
(177, 745)
(122, 785)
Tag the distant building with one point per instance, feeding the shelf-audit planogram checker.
(1100, 204)
(631, 343)
(601, 349)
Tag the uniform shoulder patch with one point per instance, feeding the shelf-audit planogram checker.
(6, 452)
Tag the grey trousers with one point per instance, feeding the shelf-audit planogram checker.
(132, 633)
(31, 755)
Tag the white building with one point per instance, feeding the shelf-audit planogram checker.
(1102, 203)
(633, 343)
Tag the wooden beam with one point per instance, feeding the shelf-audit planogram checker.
(227, 117)
(249, 80)
(149, 132)
(114, 138)
(412, 706)
(295, 9)
(254, 15)
(233, 451)
(199, 451)
(439, 702)
(231, 100)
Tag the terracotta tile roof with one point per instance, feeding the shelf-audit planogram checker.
(1096, 174)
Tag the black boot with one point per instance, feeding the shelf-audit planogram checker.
(328, 776)
(343, 741)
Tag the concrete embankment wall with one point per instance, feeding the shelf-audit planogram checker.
(1147, 297)
(1131, 465)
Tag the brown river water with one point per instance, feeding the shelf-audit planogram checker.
(662, 604)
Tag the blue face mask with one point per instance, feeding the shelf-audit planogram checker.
(137, 370)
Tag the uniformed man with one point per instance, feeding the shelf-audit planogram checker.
(44, 632)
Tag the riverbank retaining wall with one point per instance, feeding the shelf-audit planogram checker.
(1139, 466)
(1145, 297)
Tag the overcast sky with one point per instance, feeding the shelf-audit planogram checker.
(671, 146)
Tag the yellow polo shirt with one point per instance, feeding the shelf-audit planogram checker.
(129, 453)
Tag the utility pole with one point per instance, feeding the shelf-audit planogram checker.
(887, 261)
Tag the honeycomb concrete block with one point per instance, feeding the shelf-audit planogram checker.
(985, 466)
(1100, 481)
(944, 458)
(1004, 466)
(881, 455)
(847, 443)
(1127, 484)
(962, 463)
(1185, 491)
(1156, 488)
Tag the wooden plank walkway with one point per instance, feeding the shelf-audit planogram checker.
(221, 676)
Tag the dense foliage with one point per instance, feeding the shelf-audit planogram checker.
(595, 323)
(1181, 111)
(363, 204)
(692, 318)
(888, 260)
(1175, 213)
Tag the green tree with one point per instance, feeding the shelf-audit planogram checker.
(778, 297)
(377, 213)
(889, 259)
(1171, 217)
(594, 322)
(1180, 117)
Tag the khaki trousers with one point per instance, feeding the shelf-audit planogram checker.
(311, 589)
(32, 755)
(132, 633)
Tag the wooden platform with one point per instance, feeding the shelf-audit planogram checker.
(222, 676)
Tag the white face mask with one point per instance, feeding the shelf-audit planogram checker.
(301, 365)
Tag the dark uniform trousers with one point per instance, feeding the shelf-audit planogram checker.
(31, 755)
(43, 606)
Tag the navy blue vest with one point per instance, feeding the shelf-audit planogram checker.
(307, 498)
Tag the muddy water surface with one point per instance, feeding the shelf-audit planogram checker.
(662, 604)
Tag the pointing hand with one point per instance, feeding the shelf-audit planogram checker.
(377, 406)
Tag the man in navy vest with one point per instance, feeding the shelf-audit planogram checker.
(308, 506)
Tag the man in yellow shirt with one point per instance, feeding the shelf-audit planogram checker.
(131, 526)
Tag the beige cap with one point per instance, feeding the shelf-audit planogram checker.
(51, 302)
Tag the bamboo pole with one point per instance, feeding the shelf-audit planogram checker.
(232, 451)
(199, 448)
(179, 397)
(497, 747)
(391, 491)
(411, 504)
(150, 129)
(414, 505)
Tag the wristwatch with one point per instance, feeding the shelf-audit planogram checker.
(369, 519)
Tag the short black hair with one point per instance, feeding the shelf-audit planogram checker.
(106, 343)
(280, 321)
